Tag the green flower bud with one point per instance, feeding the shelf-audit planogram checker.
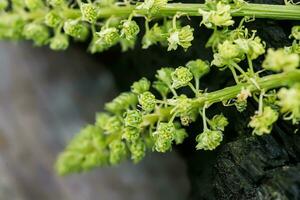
(185, 108)
(251, 47)
(36, 32)
(76, 29)
(152, 5)
(138, 151)
(122, 102)
(110, 36)
(102, 120)
(179, 135)
(97, 45)
(227, 52)
(114, 125)
(56, 3)
(182, 37)
(162, 88)
(164, 75)
(52, 19)
(220, 16)
(153, 36)
(127, 44)
(117, 152)
(218, 122)
(262, 123)
(257, 48)
(295, 32)
(3, 4)
(164, 135)
(86, 150)
(131, 134)
(241, 99)
(198, 68)
(59, 42)
(289, 101)
(147, 101)
(140, 86)
(209, 139)
(181, 77)
(11, 27)
(133, 118)
(129, 30)
(89, 12)
(34, 4)
(280, 60)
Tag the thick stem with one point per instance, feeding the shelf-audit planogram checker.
(280, 12)
(265, 83)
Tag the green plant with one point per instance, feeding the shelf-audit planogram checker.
(138, 120)
(152, 116)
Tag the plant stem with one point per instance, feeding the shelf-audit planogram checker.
(265, 83)
(279, 12)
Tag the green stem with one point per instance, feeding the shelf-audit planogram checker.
(266, 83)
(279, 12)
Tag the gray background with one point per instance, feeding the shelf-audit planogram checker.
(45, 97)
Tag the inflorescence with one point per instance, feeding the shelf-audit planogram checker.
(142, 120)
(106, 23)
(152, 116)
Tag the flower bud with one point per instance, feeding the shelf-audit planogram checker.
(164, 75)
(140, 86)
(138, 150)
(131, 134)
(179, 135)
(219, 16)
(209, 139)
(59, 42)
(262, 123)
(153, 36)
(152, 5)
(289, 101)
(162, 88)
(133, 118)
(89, 12)
(198, 68)
(164, 135)
(218, 122)
(117, 152)
(182, 37)
(76, 29)
(129, 30)
(181, 77)
(147, 101)
(36, 32)
(110, 36)
(52, 19)
(295, 32)
(102, 120)
(281, 60)
(113, 126)
(121, 103)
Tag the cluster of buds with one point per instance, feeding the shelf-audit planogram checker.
(262, 122)
(219, 14)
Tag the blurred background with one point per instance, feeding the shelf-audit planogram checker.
(45, 97)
